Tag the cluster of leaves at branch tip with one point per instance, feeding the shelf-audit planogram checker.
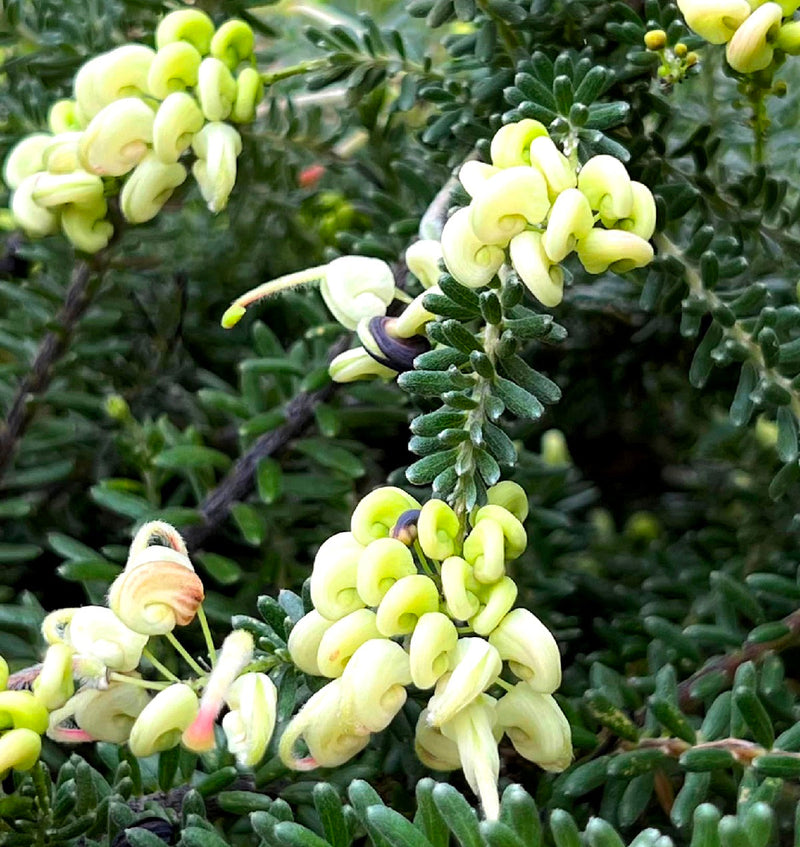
(136, 112)
(90, 685)
(414, 573)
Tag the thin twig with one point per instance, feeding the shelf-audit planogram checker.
(83, 284)
(238, 483)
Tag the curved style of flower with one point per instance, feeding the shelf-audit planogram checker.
(409, 572)
(135, 112)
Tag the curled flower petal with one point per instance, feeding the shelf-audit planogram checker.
(642, 219)
(21, 710)
(190, 25)
(537, 727)
(26, 158)
(514, 534)
(528, 646)
(423, 258)
(471, 261)
(511, 497)
(356, 287)
(613, 249)
(97, 632)
(496, 601)
(155, 597)
(380, 565)
(542, 277)
(607, 186)
(28, 214)
(715, 20)
(122, 72)
(177, 121)
(476, 665)
(460, 588)
(216, 89)
(61, 155)
(343, 639)
(102, 715)
(249, 724)
(570, 219)
(217, 145)
(19, 749)
(432, 643)
(373, 686)
(438, 530)
(176, 67)
(233, 43)
(54, 685)
(508, 202)
(163, 720)
(62, 117)
(473, 175)
(377, 513)
(335, 575)
(118, 137)
(356, 364)
(412, 320)
(511, 143)
(433, 749)
(249, 91)
(484, 550)
(149, 187)
(304, 641)
(86, 225)
(753, 44)
(553, 165)
(405, 602)
(76, 187)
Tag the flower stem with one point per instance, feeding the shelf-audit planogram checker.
(140, 683)
(294, 70)
(162, 669)
(187, 657)
(212, 652)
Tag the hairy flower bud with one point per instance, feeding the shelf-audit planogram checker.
(430, 651)
(438, 530)
(334, 576)
(752, 45)
(512, 143)
(373, 686)
(343, 639)
(163, 720)
(508, 202)
(250, 721)
(118, 137)
(528, 646)
(472, 262)
(304, 641)
(190, 25)
(542, 277)
(377, 513)
(405, 602)
(380, 565)
(217, 145)
(715, 20)
(149, 187)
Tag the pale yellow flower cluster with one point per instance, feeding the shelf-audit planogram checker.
(135, 113)
(532, 206)
(410, 597)
(751, 30)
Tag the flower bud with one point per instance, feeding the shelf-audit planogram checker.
(377, 513)
(86, 227)
(432, 643)
(373, 686)
(118, 137)
(149, 187)
(62, 117)
(512, 143)
(380, 565)
(655, 39)
(357, 364)
(473, 176)
(528, 646)
(249, 91)
(163, 720)
(190, 25)
(642, 219)
(19, 749)
(329, 742)
(472, 262)
(543, 279)
(25, 159)
(460, 588)
(252, 701)
(496, 601)
(157, 593)
(177, 121)
(334, 576)
(752, 45)
(423, 259)
(789, 38)
(54, 685)
(405, 602)
(537, 727)
(513, 531)
(233, 43)
(438, 530)
(21, 710)
(342, 640)
(58, 189)
(433, 749)
(97, 632)
(216, 89)
(508, 202)
(715, 20)
(217, 145)
(511, 497)
(613, 249)
(607, 186)
(472, 731)
(476, 665)
(553, 165)
(356, 287)
(28, 214)
(62, 154)
(570, 220)
(484, 549)
(555, 451)
(175, 68)
(122, 72)
(304, 641)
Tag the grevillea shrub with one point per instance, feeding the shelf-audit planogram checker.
(400, 423)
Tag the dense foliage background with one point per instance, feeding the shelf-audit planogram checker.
(662, 527)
